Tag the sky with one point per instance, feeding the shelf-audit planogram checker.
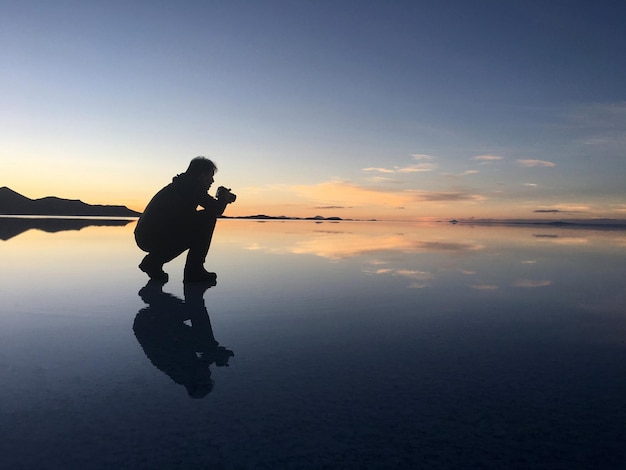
(394, 110)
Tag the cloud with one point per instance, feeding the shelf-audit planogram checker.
(600, 124)
(446, 196)
(346, 193)
(535, 163)
(383, 179)
(379, 170)
(531, 185)
(567, 208)
(332, 207)
(420, 167)
(374, 198)
(422, 156)
(465, 173)
(487, 158)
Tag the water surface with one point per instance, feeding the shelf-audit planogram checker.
(323, 345)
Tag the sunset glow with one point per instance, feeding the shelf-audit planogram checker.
(393, 111)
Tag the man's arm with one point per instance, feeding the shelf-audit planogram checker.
(215, 206)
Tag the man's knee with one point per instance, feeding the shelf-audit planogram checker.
(205, 217)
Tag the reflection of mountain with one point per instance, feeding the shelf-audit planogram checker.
(11, 227)
(12, 203)
(177, 336)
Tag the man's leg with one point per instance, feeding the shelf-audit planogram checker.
(161, 249)
(202, 228)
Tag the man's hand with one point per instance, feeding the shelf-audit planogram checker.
(224, 194)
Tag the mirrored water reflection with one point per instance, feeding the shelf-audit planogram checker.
(363, 345)
(177, 337)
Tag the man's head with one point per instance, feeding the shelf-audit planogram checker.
(202, 169)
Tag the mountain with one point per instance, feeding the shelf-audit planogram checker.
(13, 203)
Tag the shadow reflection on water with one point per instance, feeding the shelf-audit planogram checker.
(176, 335)
(11, 227)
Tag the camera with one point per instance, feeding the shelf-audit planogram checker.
(224, 194)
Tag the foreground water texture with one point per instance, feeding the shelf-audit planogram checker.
(323, 345)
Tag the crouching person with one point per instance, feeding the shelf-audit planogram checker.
(172, 223)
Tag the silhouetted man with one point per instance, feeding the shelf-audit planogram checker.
(171, 223)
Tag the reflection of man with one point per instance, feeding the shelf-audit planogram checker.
(171, 223)
(181, 351)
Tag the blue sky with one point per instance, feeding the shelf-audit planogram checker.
(400, 110)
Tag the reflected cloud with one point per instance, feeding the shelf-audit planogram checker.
(11, 227)
(177, 337)
(350, 245)
(558, 240)
(420, 278)
(426, 254)
(621, 241)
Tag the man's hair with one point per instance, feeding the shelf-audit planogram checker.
(201, 165)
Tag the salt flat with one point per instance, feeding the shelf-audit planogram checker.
(354, 345)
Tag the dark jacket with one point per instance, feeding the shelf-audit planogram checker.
(175, 205)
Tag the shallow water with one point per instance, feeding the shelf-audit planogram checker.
(354, 345)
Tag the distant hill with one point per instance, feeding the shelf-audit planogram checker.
(13, 203)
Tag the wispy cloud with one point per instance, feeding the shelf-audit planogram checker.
(465, 173)
(346, 193)
(422, 156)
(420, 167)
(382, 179)
(600, 124)
(487, 158)
(379, 170)
(558, 208)
(531, 185)
(535, 163)
(447, 196)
